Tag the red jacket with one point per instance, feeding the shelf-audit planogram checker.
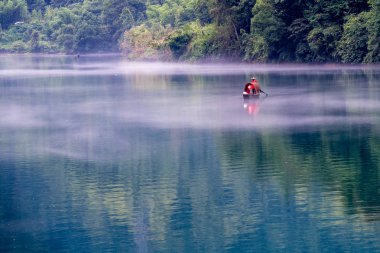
(256, 86)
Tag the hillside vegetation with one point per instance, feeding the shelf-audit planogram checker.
(251, 30)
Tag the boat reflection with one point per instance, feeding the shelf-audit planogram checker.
(252, 106)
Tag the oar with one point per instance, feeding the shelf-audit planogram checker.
(264, 92)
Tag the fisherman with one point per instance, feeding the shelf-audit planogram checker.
(255, 86)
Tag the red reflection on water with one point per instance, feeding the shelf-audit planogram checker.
(252, 106)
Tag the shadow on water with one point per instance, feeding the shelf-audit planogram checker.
(105, 155)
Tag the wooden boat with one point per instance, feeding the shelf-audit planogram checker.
(247, 92)
(250, 95)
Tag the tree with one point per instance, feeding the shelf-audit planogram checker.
(66, 38)
(35, 5)
(34, 41)
(62, 3)
(255, 30)
(323, 43)
(326, 19)
(89, 35)
(299, 48)
(352, 47)
(12, 11)
(268, 30)
(120, 15)
(179, 42)
(373, 27)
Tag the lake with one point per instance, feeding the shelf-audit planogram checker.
(98, 154)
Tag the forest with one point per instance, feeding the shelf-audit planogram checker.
(343, 31)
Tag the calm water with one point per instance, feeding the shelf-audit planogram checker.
(101, 155)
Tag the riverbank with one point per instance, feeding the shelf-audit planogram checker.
(204, 61)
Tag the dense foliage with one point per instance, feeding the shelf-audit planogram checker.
(252, 30)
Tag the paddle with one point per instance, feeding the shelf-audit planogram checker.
(264, 92)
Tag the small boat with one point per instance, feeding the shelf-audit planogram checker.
(249, 91)
(251, 95)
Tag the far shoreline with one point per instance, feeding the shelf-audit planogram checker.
(206, 61)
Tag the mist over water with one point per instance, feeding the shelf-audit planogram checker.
(97, 153)
(188, 95)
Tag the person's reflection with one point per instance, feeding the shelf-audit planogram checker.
(252, 106)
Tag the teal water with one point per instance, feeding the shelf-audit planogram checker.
(102, 155)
